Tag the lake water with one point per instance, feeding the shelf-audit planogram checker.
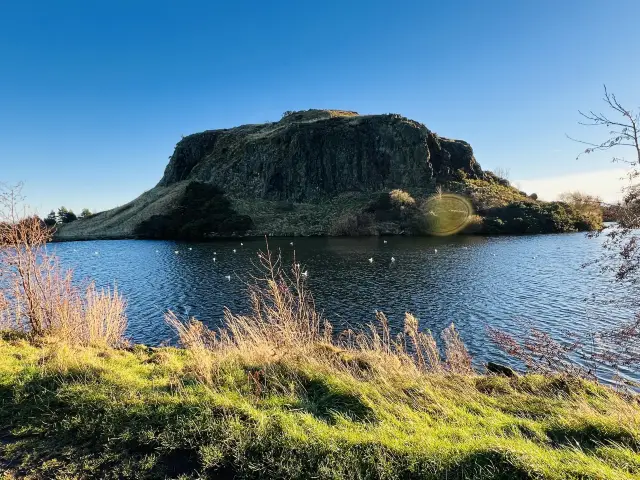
(504, 282)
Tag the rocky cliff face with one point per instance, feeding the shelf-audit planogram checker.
(318, 153)
(312, 173)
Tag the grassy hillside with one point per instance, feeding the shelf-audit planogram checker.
(498, 207)
(78, 412)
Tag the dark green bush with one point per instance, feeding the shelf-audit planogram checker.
(394, 206)
(534, 217)
(51, 220)
(203, 210)
(66, 216)
(284, 206)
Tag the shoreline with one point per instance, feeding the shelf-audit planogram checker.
(262, 236)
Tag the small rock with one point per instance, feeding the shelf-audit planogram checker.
(500, 369)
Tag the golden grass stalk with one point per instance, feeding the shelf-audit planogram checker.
(283, 324)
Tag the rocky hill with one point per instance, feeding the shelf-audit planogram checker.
(315, 172)
(312, 155)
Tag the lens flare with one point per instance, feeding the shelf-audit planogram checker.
(446, 214)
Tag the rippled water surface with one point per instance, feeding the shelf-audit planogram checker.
(505, 282)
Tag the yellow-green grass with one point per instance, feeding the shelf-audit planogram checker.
(74, 412)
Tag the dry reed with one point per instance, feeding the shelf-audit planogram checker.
(284, 325)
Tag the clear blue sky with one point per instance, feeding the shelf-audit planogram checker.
(95, 94)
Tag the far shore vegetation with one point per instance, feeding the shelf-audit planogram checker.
(63, 215)
(489, 206)
(277, 393)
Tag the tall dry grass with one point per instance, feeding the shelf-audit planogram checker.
(38, 297)
(284, 325)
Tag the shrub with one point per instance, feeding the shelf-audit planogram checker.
(396, 206)
(442, 214)
(489, 193)
(534, 217)
(589, 207)
(400, 198)
(284, 326)
(353, 224)
(66, 216)
(460, 174)
(284, 206)
(475, 224)
(39, 298)
(203, 210)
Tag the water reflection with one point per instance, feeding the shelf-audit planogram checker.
(505, 282)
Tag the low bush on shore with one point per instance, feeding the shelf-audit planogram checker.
(506, 210)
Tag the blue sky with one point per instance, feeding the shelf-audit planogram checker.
(94, 95)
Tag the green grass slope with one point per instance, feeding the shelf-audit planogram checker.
(72, 412)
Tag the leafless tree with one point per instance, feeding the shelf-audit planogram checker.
(503, 173)
(618, 347)
(622, 244)
(623, 130)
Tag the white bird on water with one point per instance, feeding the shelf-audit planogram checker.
(96, 253)
(228, 277)
(371, 260)
(214, 253)
(291, 243)
(190, 248)
(385, 241)
(214, 259)
(156, 251)
(435, 250)
(393, 259)
(305, 274)
(234, 250)
(241, 244)
(176, 252)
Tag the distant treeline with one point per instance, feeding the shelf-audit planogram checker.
(63, 215)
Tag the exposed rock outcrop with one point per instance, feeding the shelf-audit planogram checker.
(310, 155)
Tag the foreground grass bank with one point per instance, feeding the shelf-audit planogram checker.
(84, 412)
